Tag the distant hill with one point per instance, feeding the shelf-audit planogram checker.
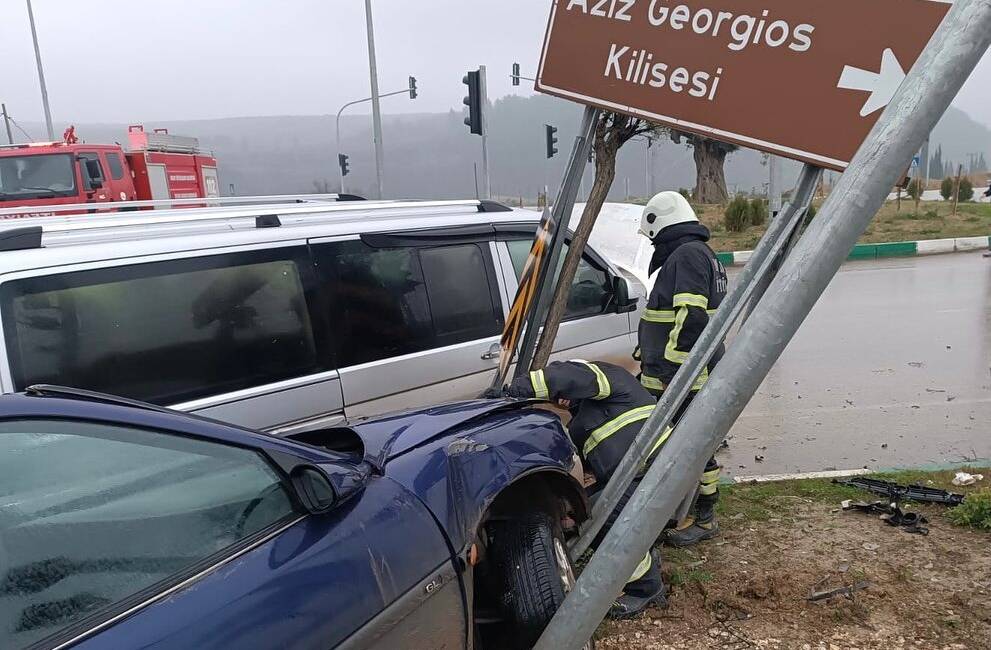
(433, 155)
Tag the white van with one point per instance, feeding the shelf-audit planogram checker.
(286, 317)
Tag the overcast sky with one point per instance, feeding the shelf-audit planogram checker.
(147, 60)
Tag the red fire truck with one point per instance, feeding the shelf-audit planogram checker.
(155, 165)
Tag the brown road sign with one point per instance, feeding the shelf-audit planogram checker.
(803, 79)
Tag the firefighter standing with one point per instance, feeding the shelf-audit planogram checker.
(608, 406)
(689, 287)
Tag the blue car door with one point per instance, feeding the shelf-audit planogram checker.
(127, 536)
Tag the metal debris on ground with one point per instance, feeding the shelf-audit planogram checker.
(892, 514)
(896, 492)
(846, 591)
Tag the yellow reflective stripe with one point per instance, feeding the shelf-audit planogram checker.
(614, 425)
(671, 351)
(711, 311)
(600, 377)
(658, 315)
(710, 476)
(652, 383)
(702, 378)
(539, 385)
(663, 439)
(642, 568)
(690, 300)
(708, 489)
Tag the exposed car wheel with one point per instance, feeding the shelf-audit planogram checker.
(533, 572)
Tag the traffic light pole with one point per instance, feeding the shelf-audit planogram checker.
(359, 101)
(486, 187)
(923, 97)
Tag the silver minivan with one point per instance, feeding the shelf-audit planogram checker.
(286, 317)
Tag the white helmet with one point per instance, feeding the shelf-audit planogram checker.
(665, 209)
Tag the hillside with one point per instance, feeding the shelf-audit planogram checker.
(433, 155)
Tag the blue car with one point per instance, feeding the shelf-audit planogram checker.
(125, 525)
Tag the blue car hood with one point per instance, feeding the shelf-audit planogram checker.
(386, 437)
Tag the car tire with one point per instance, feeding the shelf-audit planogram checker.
(534, 573)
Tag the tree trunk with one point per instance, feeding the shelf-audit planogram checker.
(710, 184)
(605, 173)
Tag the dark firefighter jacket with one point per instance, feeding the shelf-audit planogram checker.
(608, 407)
(690, 286)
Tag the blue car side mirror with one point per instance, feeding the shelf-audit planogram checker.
(319, 488)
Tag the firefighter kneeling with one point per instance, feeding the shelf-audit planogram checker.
(608, 407)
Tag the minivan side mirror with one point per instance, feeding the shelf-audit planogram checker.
(622, 303)
(322, 487)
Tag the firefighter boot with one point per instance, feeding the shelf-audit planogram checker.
(644, 589)
(698, 526)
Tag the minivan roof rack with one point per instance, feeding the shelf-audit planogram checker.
(70, 229)
(123, 206)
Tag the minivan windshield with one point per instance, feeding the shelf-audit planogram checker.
(35, 177)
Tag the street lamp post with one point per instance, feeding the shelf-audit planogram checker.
(41, 75)
(376, 112)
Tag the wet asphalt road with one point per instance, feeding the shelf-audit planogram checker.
(891, 369)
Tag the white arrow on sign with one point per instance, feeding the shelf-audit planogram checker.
(881, 85)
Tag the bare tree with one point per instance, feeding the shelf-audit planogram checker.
(612, 131)
(710, 158)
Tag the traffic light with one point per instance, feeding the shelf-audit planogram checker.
(474, 101)
(551, 140)
(412, 87)
(516, 74)
(342, 160)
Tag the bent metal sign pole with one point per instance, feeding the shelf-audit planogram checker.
(916, 106)
(703, 67)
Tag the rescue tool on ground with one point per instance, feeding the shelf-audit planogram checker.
(155, 165)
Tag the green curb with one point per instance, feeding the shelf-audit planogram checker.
(888, 249)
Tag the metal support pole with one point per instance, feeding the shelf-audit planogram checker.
(750, 278)
(483, 86)
(340, 168)
(564, 203)
(773, 191)
(376, 111)
(41, 76)
(952, 53)
(6, 123)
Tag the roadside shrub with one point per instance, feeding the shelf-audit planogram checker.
(946, 188)
(966, 192)
(915, 189)
(685, 193)
(975, 511)
(758, 212)
(932, 214)
(737, 215)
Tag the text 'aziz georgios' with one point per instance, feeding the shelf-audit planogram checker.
(738, 31)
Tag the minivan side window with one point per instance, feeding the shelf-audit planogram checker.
(164, 332)
(97, 518)
(590, 290)
(387, 302)
(458, 288)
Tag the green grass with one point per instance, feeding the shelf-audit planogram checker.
(763, 501)
(975, 511)
(758, 502)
